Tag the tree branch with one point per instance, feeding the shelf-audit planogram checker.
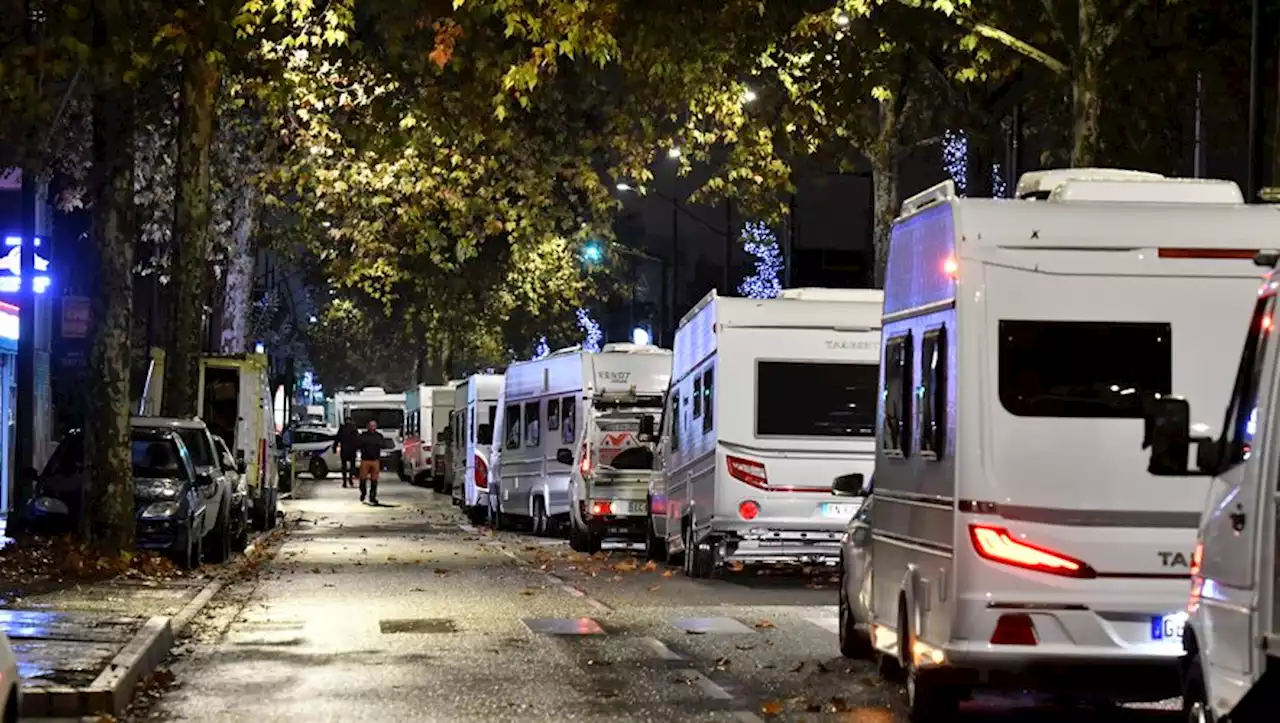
(1016, 44)
(1056, 28)
(1110, 33)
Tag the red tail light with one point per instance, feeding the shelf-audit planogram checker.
(584, 466)
(748, 510)
(1017, 629)
(748, 471)
(1196, 557)
(482, 473)
(1207, 253)
(601, 508)
(997, 545)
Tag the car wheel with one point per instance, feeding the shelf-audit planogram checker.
(478, 515)
(318, 469)
(928, 699)
(402, 472)
(274, 509)
(188, 552)
(852, 643)
(655, 548)
(11, 705)
(241, 538)
(1195, 702)
(500, 521)
(219, 549)
(540, 523)
(578, 541)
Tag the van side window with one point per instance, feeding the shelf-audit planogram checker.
(553, 415)
(697, 396)
(675, 418)
(1241, 422)
(708, 392)
(512, 433)
(532, 420)
(568, 414)
(933, 393)
(471, 424)
(896, 431)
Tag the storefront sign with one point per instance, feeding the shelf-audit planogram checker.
(75, 317)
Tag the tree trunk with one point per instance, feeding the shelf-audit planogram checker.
(191, 233)
(111, 527)
(1086, 88)
(239, 280)
(884, 174)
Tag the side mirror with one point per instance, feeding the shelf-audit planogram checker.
(848, 485)
(1167, 431)
(646, 428)
(564, 456)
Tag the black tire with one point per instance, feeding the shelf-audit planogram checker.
(853, 644)
(699, 562)
(187, 555)
(219, 547)
(541, 523)
(655, 548)
(11, 706)
(477, 515)
(318, 469)
(241, 538)
(500, 520)
(1195, 702)
(577, 540)
(273, 509)
(928, 699)
(400, 471)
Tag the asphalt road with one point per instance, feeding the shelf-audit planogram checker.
(405, 613)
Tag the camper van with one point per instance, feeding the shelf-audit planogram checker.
(376, 404)
(235, 403)
(770, 400)
(1015, 536)
(427, 412)
(575, 443)
(475, 406)
(1231, 640)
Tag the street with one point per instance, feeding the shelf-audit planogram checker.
(404, 613)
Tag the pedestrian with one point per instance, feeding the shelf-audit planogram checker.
(370, 461)
(347, 442)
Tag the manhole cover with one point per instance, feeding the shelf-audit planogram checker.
(418, 625)
(564, 626)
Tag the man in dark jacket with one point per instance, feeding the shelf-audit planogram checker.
(371, 441)
(347, 442)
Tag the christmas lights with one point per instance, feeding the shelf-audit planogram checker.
(759, 241)
(591, 330)
(997, 181)
(955, 159)
(542, 348)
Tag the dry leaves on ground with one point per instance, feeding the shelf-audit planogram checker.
(66, 559)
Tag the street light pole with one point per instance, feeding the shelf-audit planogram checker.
(669, 303)
(728, 242)
(1254, 178)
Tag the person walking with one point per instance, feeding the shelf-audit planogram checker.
(371, 441)
(347, 442)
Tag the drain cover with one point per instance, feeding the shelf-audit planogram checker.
(564, 626)
(418, 625)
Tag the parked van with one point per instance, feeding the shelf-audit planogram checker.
(575, 444)
(378, 405)
(771, 399)
(1231, 662)
(427, 412)
(475, 405)
(1017, 538)
(235, 403)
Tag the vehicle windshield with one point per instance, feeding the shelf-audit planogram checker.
(156, 458)
(387, 419)
(1092, 369)
(816, 399)
(617, 442)
(197, 441)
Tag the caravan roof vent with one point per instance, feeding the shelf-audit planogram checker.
(373, 390)
(870, 296)
(1039, 184)
(626, 347)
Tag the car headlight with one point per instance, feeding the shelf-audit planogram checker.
(160, 510)
(51, 506)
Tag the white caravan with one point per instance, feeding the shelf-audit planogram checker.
(475, 405)
(384, 408)
(1231, 666)
(576, 445)
(1017, 537)
(771, 400)
(426, 421)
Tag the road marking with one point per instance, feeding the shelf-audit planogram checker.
(468, 528)
(573, 591)
(662, 650)
(746, 716)
(709, 686)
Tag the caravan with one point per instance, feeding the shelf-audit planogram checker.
(427, 411)
(576, 446)
(377, 405)
(235, 403)
(1014, 535)
(771, 400)
(475, 406)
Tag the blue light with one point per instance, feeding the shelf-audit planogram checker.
(12, 262)
(593, 252)
(17, 241)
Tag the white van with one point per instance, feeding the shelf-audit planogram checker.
(427, 411)
(235, 403)
(771, 399)
(1231, 665)
(475, 405)
(378, 405)
(573, 447)
(1017, 538)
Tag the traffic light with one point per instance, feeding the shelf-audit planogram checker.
(593, 252)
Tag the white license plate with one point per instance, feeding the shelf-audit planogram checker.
(837, 509)
(1168, 628)
(637, 507)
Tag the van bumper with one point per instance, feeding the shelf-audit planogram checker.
(756, 542)
(1094, 673)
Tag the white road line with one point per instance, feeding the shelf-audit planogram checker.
(468, 528)
(746, 716)
(573, 591)
(662, 650)
(555, 580)
(709, 686)
(597, 604)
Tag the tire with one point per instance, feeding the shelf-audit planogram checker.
(400, 471)
(541, 523)
(477, 515)
(11, 706)
(577, 540)
(219, 548)
(241, 539)
(853, 644)
(928, 700)
(1195, 701)
(318, 469)
(655, 548)
(699, 557)
(500, 521)
(188, 555)
(273, 509)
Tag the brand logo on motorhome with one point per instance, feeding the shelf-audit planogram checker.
(853, 345)
(1174, 559)
(613, 377)
(619, 439)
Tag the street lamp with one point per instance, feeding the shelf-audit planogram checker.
(593, 252)
(673, 152)
(624, 187)
(640, 336)
(749, 96)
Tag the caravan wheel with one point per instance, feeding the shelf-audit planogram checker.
(929, 700)
(1195, 704)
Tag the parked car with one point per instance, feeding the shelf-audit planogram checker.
(313, 450)
(241, 497)
(181, 508)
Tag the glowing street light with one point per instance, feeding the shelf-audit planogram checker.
(842, 20)
(749, 96)
(673, 152)
(624, 187)
(640, 336)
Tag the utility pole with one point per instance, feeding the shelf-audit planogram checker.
(24, 416)
(1254, 179)
(788, 252)
(667, 336)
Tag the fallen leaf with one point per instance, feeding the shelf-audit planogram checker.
(771, 707)
(440, 571)
(722, 662)
(736, 566)
(764, 625)
(654, 587)
(650, 566)
(668, 573)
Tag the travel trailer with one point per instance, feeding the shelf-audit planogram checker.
(1016, 536)
(427, 411)
(380, 406)
(1231, 641)
(235, 403)
(577, 441)
(771, 399)
(475, 405)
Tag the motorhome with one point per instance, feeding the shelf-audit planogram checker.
(1231, 641)
(770, 400)
(1017, 538)
(380, 406)
(475, 406)
(576, 446)
(427, 410)
(234, 400)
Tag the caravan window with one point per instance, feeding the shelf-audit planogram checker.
(1241, 422)
(485, 432)
(568, 415)
(896, 431)
(1083, 368)
(675, 418)
(933, 392)
(553, 415)
(708, 392)
(839, 399)
(386, 418)
(513, 426)
(532, 418)
(697, 396)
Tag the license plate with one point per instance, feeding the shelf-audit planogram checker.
(1168, 628)
(637, 508)
(837, 509)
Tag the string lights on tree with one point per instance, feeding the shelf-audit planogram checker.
(955, 160)
(542, 348)
(759, 241)
(592, 334)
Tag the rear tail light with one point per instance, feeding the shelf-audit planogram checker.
(601, 508)
(997, 545)
(1166, 253)
(1196, 556)
(748, 471)
(1016, 629)
(748, 510)
(482, 473)
(584, 465)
